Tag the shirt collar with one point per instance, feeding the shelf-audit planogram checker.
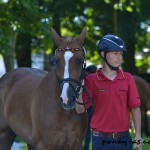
(101, 76)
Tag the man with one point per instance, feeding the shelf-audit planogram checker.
(114, 94)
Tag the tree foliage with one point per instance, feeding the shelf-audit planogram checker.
(25, 28)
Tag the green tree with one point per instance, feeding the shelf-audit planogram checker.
(7, 37)
(25, 25)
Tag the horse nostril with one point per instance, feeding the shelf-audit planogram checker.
(70, 104)
(72, 101)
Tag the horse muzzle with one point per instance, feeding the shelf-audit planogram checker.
(69, 103)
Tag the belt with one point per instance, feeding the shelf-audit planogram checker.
(115, 135)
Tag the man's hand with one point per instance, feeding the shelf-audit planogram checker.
(138, 142)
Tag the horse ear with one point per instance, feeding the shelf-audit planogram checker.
(82, 35)
(55, 36)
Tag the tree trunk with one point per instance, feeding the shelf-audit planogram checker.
(115, 21)
(8, 58)
(127, 28)
(8, 54)
(129, 60)
(23, 50)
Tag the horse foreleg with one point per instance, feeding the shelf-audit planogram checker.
(7, 137)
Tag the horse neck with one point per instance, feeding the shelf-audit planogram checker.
(51, 80)
(50, 84)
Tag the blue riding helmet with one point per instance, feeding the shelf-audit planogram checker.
(110, 43)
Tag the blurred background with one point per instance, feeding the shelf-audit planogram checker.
(25, 26)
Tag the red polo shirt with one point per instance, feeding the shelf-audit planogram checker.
(112, 100)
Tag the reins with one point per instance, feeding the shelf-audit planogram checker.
(84, 103)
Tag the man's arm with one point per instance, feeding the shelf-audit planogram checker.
(136, 114)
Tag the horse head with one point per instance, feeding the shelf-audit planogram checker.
(69, 63)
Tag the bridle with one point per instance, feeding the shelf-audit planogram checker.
(70, 80)
(76, 90)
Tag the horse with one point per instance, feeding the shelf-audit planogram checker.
(144, 93)
(39, 106)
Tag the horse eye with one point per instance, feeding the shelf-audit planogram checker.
(53, 60)
(81, 60)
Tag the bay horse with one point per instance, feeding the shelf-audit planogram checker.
(39, 106)
(144, 93)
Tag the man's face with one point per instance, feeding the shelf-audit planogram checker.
(114, 58)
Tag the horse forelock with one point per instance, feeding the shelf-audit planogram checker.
(70, 42)
(68, 39)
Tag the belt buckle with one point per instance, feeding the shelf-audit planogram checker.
(114, 135)
(95, 134)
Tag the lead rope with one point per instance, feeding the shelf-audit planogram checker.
(88, 101)
(87, 94)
